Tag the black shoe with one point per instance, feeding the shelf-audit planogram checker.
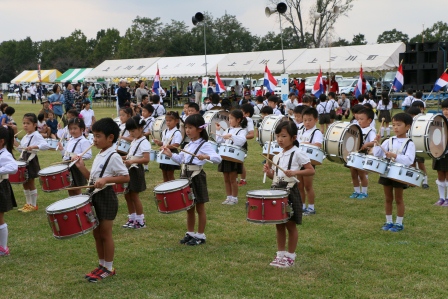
(425, 186)
(195, 241)
(186, 239)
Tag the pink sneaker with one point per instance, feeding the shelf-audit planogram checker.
(440, 202)
(286, 262)
(4, 251)
(276, 261)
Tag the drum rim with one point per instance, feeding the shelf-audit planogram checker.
(70, 208)
(286, 193)
(21, 163)
(65, 168)
(187, 183)
(232, 145)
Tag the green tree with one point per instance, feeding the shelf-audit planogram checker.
(272, 41)
(25, 55)
(105, 46)
(231, 36)
(340, 43)
(392, 36)
(7, 54)
(438, 32)
(176, 38)
(359, 39)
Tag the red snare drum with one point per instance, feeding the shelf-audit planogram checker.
(55, 178)
(268, 206)
(119, 188)
(21, 176)
(173, 196)
(72, 217)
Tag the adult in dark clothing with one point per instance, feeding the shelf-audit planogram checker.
(69, 97)
(123, 94)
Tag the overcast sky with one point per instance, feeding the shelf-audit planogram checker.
(51, 19)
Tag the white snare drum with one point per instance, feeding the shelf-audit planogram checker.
(123, 147)
(429, 132)
(152, 155)
(158, 127)
(274, 150)
(212, 117)
(315, 154)
(117, 121)
(164, 159)
(52, 143)
(356, 160)
(90, 138)
(404, 174)
(232, 153)
(266, 131)
(257, 120)
(340, 140)
(375, 164)
(214, 145)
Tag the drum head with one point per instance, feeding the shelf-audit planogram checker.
(213, 117)
(351, 140)
(53, 169)
(267, 193)
(268, 126)
(21, 163)
(171, 185)
(438, 136)
(68, 203)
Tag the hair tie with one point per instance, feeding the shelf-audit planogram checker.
(204, 126)
(80, 116)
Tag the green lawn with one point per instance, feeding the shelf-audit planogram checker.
(342, 252)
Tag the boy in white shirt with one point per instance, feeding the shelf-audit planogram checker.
(272, 102)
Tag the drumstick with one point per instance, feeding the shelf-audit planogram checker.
(18, 133)
(61, 162)
(164, 145)
(269, 152)
(278, 166)
(80, 156)
(182, 150)
(86, 187)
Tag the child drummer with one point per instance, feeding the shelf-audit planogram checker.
(295, 163)
(192, 169)
(107, 168)
(402, 150)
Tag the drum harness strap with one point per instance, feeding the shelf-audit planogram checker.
(290, 182)
(166, 131)
(195, 169)
(3, 176)
(32, 155)
(91, 181)
(403, 148)
(67, 153)
(129, 157)
(228, 131)
(311, 136)
(325, 108)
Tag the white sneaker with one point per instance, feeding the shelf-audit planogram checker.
(276, 261)
(226, 202)
(286, 262)
(233, 202)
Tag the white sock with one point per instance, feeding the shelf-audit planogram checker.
(388, 131)
(441, 187)
(382, 131)
(357, 189)
(33, 197)
(190, 233)
(4, 235)
(132, 217)
(304, 206)
(145, 167)
(425, 180)
(281, 254)
(234, 198)
(364, 190)
(311, 207)
(446, 188)
(229, 197)
(27, 196)
(101, 262)
(140, 218)
(389, 218)
(291, 255)
(200, 236)
(242, 180)
(109, 265)
(399, 220)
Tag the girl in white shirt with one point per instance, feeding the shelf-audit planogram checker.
(89, 116)
(384, 107)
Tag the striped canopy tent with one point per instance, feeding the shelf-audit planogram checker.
(47, 76)
(74, 75)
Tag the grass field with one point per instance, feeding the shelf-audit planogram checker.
(342, 252)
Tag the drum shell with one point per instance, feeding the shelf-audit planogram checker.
(429, 132)
(174, 200)
(212, 117)
(267, 210)
(406, 175)
(52, 143)
(72, 221)
(55, 181)
(375, 164)
(214, 145)
(164, 159)
(232, 153)
(266, 131)
(119, 188)
(21, 176)
(340, 140)
(274, 150)
(315, 154)
(158, 127)
(123, 147)
(152, 155)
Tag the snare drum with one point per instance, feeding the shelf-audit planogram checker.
(119, 188)
(268, 206)
(266, 132)
(356, 160)
(375, 164)
(404, 174)
(21, 176)
(340, 140)
(212, 117)
(123, 147)
(232, 153)
(117, 121)
(214, 145)
(55, 178)
(52, 143)
(158, 127)
(313, 152)
(152, 155)
(164, 159)
(71, 217)
(275, 148)
(257, 120)
(173, 196)
(429, 132)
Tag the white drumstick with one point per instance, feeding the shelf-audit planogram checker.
(278, 166)
(194, 155)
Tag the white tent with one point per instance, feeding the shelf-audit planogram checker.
(348, 59)
(253, 63)
(183, 66)
(123, 68)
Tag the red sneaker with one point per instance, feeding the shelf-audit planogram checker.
(242, 183)
(103, 273)
(93, 273)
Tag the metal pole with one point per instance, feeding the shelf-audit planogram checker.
(205, 51)
(281, 39)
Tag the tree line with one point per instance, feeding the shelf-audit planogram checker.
(149, 37)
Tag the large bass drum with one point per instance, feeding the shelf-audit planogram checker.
(429, 132)
(340, 140)
(266, 131)
(213, 117)
(158, 127)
